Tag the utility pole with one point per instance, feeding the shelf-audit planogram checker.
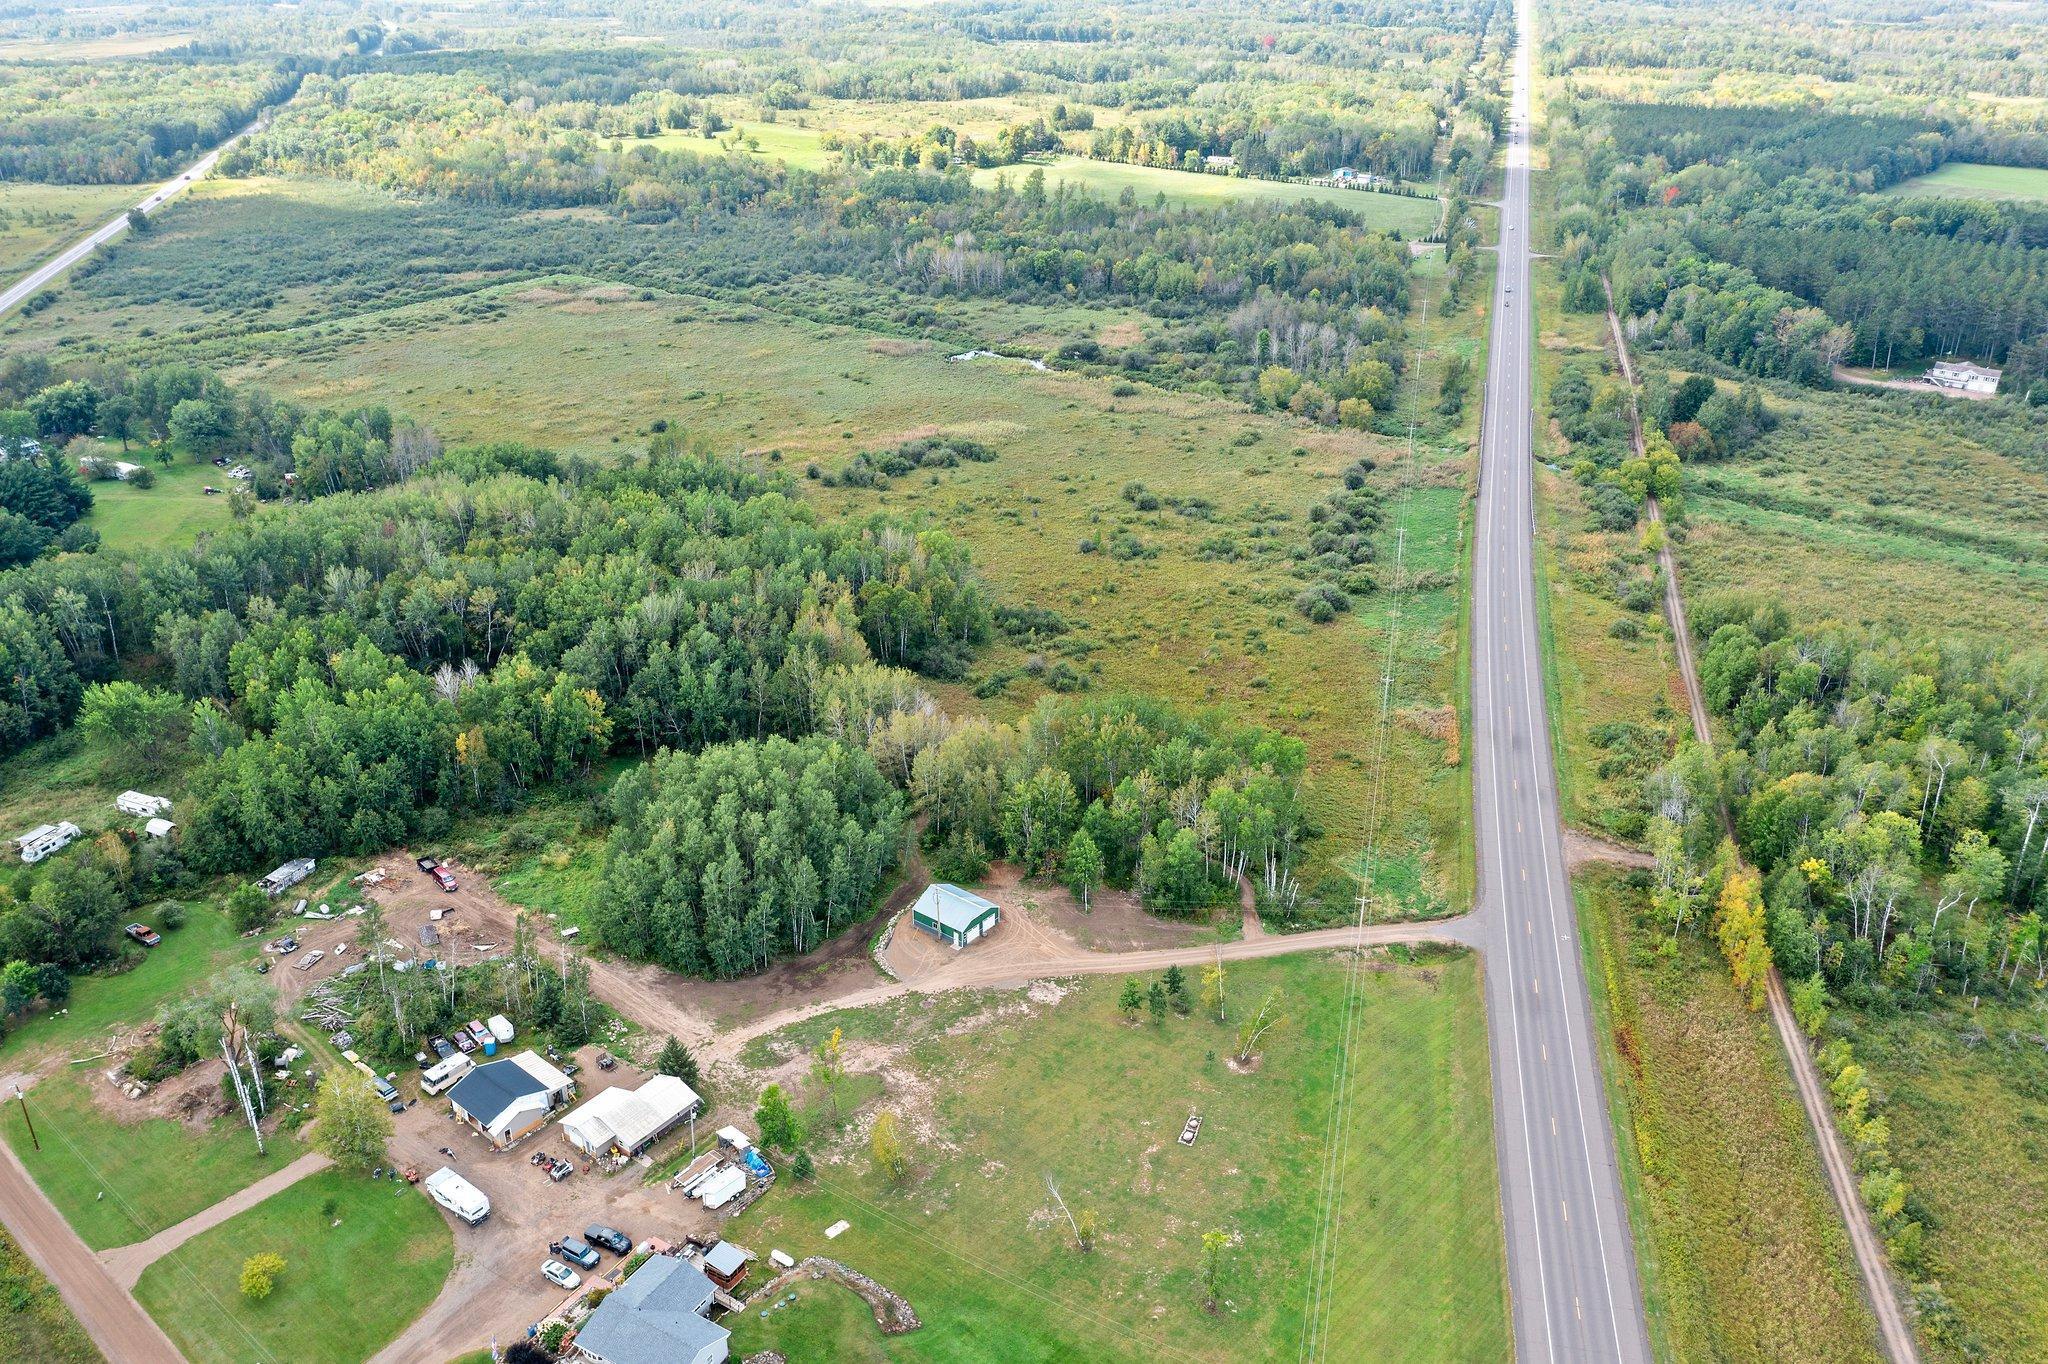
(22, 1095)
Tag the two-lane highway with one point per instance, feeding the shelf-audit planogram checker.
(25, 288)
(1571, 1262)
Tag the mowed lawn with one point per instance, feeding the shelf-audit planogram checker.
(1387, 212)
(37, 220)
(154, 1173)
(800, 148)
(1071, 1090)
(1970, 180)
(187, 956)
(171, 514)
(362, 1257)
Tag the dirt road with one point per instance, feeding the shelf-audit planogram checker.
(114, 1320)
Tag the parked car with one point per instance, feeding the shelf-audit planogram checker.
(465, 1041)
(559, 1170)
(613, 1240)
(143, 934)
(443, 1048)
(446, 879)
(560, 1274)
(576, 1252)
(605, 1060)
(384, 1088)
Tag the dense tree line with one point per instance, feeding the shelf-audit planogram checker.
(1750, 235)
(721, 860)
(1892, 793)
(125, 122)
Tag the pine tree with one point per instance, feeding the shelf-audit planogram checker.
(675, 1059)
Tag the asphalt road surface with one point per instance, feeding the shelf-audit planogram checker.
(1571, 1263)
(23, 289)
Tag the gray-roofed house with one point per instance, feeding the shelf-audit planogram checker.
(509, 1099)
(655, 1317)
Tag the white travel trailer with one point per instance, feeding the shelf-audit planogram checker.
(39, 842)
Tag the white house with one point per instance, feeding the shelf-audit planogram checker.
(1964, 377)
(39, 842)
(510, 1099)
(630, 1119)
(1219, 164)
(658, 1316)
(140, 805)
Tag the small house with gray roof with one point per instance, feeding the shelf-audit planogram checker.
(658, 1316)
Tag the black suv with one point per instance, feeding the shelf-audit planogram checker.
(617, 1242)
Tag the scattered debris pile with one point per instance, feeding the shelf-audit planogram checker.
(893, 1312)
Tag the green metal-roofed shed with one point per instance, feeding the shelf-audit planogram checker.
(953, 915)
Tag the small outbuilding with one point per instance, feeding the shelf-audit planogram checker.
(159, 828)
(510, 1099)
(630, 1120)
(725, 1264)
(953, 915)
(287, 876)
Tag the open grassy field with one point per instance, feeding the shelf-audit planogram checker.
(1865, 507)
(39, 1326)
(154, 1173)
(995, 1102)
(36, 221)
(1743, 1255)
(1966, 1094)
(187, 956)
(797, 147)
(1969, 180)
(362, 1258)
(1389, 212)
(1200, 612)
(173, 512)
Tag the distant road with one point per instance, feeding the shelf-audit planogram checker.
(40, 278)
(1571, 1260)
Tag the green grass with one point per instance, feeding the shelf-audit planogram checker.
(345, 1292)
(186, 957)
(154, 1173)
(173, 513)
(37, 221)
(1388, 212)
(39, 1326)
(800, 148)
(1969, 180)
(1743, 1255)
(971, 1240)
(1965, 1095)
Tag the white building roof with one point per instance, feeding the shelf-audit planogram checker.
(159, 828)
(1964, 369)
(533, 1064)
(630, 1118)
(951, 907)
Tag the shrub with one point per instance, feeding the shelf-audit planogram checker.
(259, 1274)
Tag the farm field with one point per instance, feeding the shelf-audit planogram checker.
(363, 1257)
(1108, 179)
(796, 147)
(38, 220)
(1968, 180)
(1029, 1086)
